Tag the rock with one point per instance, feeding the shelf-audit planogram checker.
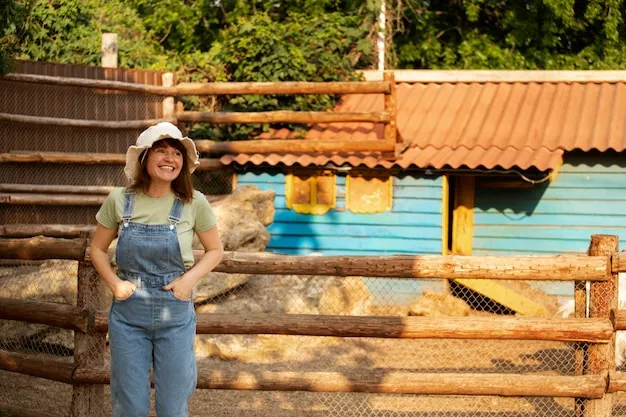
(284, 294)
(435, 304)
(242, 218)
(349, 296)
(216, 284)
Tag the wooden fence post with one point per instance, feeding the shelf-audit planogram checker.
(89, 348)
(602, 299)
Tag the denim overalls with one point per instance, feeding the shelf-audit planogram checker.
(152, 326)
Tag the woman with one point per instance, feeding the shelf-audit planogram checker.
(152, 320)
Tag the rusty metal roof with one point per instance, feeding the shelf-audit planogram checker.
(476, 124)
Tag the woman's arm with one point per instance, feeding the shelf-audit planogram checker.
(102, 263)
(213, 252)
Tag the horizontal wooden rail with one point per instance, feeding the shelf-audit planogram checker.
(20, 199)
(518, 328)
(53, 369)
(83, 82)
(282, 116)
(292, 146)
(218, 88)
(617, 381)
(284, 87)
(52, 314)
(86, 159)
(390, 382)
(538, 267)
(50, 230)
(41, 248)
(101, 124)
(55, 189)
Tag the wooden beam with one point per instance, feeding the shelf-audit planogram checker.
(281, 116)
(617, 381)
(501, 76)
(20, 199)
(38, 248)
(227, 88)
(86, 159)
(101, 124)
(391, 107)
(56, 189)
(291, 146)
(43, 367)
(527, 267)
(284, 87)
(538, 267)
(52, 314)
(64, 158)
(565, 330)
(83, 82)
(50, 230)
(390, 382)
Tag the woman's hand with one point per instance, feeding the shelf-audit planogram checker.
(180, 287)
(123, 289)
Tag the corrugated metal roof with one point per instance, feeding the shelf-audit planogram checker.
(429, 157)
(478, 125)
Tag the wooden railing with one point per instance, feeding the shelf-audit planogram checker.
(172, 92)
(594, 383)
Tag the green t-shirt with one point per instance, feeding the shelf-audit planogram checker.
(197, 216)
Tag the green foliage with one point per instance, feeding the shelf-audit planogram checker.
(69, 31)
(300, 48)
(12, 16)
(511, 34)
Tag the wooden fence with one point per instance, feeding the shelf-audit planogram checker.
(594, 383)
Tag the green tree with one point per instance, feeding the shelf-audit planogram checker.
(12, 17)
(510, 34)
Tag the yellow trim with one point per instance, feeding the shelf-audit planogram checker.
(463, 216)
(555, 171)
(445, 212)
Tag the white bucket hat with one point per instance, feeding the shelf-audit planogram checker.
(145, 141)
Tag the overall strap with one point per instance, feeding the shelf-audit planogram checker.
(176, 213)
(129, 205)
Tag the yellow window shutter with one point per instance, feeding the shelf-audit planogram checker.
(310, 194)
(368, 194)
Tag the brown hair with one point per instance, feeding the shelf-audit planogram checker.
(182, 185)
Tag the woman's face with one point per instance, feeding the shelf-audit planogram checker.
(164, 163)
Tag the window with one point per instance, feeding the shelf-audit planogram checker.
(310, 193)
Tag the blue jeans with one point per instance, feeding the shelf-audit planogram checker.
(152, 327)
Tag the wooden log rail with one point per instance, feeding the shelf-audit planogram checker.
(86, 159)
(211, 89)
(537, 268)
(52, 314)
(518, 328)
(387, 116)
(371, 381)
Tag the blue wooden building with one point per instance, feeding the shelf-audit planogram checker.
(507, 163)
